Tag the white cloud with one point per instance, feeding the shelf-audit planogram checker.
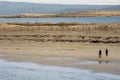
(100, 2)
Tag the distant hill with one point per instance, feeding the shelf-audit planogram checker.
(7, 8)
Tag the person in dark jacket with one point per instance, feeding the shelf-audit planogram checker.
(100, 53)
(106, 52)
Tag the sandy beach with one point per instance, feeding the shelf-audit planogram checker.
(59, 40)
(77, 55)
(65, 48)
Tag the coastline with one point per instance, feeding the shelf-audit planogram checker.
(76, 55)
(23, 70)
(65, 15)
(59, 40)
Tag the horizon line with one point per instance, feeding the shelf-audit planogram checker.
(59, 3)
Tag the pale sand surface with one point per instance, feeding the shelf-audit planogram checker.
(81, 14)
(69, 48)
(77, 55)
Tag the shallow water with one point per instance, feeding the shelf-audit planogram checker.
(97, 62)
(31, 71)
(57, 20)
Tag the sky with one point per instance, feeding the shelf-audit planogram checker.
(96, 2)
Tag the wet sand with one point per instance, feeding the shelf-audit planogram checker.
(77, 55)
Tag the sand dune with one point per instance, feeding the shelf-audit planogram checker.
(64, 32)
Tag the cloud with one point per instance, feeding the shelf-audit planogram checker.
(99, 2)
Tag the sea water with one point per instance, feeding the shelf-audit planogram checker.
(32, 71)
(68, 19)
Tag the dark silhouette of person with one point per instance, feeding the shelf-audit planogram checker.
(100, 53)
(106, 52)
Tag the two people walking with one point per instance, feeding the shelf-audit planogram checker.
(100, 53)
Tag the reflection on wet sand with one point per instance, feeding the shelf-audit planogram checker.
(100, 61)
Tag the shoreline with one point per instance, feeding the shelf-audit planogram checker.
(83, 56)
(43, 70)
(65, 15)
(56, 17)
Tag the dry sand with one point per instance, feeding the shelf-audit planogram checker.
(81, 14)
